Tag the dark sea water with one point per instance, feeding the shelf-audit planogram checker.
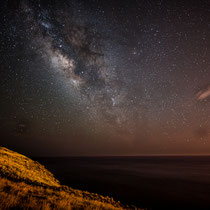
(155, 182)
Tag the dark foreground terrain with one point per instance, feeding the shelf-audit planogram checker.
(156, 182)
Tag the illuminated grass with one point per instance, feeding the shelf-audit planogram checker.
(19, 167)
(22, 195)
(26, 184)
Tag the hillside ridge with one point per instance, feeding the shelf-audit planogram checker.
(25, 183)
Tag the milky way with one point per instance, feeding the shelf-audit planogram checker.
(107, 77)
(77, 53)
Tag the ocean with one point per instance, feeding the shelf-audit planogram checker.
(166, 182)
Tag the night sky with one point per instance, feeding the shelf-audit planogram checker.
(91, 77)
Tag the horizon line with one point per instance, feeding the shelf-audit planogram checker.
(130, 155)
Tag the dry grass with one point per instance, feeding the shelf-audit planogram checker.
(26, 184)
(26, 196)
(19, 167)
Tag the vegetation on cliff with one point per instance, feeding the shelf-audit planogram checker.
(26, 184)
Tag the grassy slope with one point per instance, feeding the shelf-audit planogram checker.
(19, 167)
(27, 184)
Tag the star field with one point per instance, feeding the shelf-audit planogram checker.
(105, 77)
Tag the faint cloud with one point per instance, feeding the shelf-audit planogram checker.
(203, 94)
(201, 132)
(22, 127)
